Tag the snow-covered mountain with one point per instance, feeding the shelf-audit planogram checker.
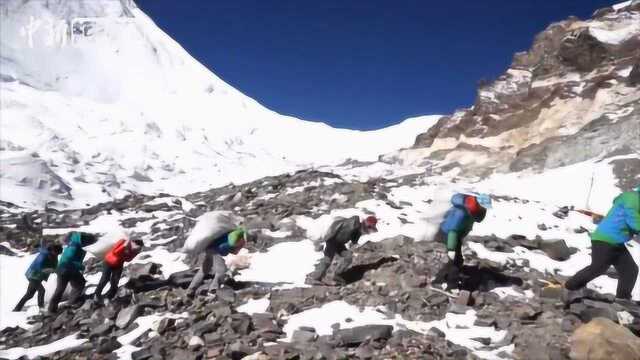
(557, 131)
(98, 102)
(573, 97)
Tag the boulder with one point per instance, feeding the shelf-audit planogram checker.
(582, 51)
(634, 75)
(603, 339)
(103, 329)
(107, 345)
(556, 249)
(359, 334)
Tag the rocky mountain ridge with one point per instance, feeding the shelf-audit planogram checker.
(572, 97)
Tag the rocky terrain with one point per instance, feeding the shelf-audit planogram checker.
(504, 311)
(558, 132)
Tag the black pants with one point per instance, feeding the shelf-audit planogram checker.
(34, 286)
(66, 277)
(109, 275)
(604, 255)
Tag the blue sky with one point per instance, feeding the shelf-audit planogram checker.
(359, 64)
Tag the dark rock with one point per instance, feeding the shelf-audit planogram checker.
(204, 327)
(524, 311)
(592, 309)
(5, 251)
(485, 321)
(241, 323)
(435, 332)
(165, 325)
(103, 329)
(226, 294)
(147, 269)
(634, 76)
(359, 334)
(107, 345)
(182, 278)
(220, 310)
(458, 309)
(556, 249)
(143, 354)
(483, 340)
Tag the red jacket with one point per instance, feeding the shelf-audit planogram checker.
(119, 253)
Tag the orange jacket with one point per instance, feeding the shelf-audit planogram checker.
(119, 253)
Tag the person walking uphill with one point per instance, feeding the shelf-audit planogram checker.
(341, 232)
(123, 251)
(42, 266)
(212, 258)
(608, 246)
(457, 224)
(70, 268)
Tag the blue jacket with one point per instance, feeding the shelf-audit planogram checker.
(457, 218)
(228, 242)
(73, 254)
(622, 221)
(41, 262)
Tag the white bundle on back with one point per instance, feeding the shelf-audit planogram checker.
(440, 205)
(209, 227)
(100, 248)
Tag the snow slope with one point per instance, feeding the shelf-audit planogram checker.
(111, 104)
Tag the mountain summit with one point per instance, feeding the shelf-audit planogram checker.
(98, 102)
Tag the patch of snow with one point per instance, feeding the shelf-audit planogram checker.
(458, 328)
(276, 234)
(616, 34)
(621, 5)
(510, 291)
(285, 264)
(255, 306)
(13, 284)
(59, 345)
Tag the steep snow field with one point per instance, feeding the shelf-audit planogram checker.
(119, 106)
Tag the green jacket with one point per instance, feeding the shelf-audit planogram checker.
(622, 221)
(73, 255)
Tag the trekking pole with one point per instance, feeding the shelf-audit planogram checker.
(589, 193)
(43, 221)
